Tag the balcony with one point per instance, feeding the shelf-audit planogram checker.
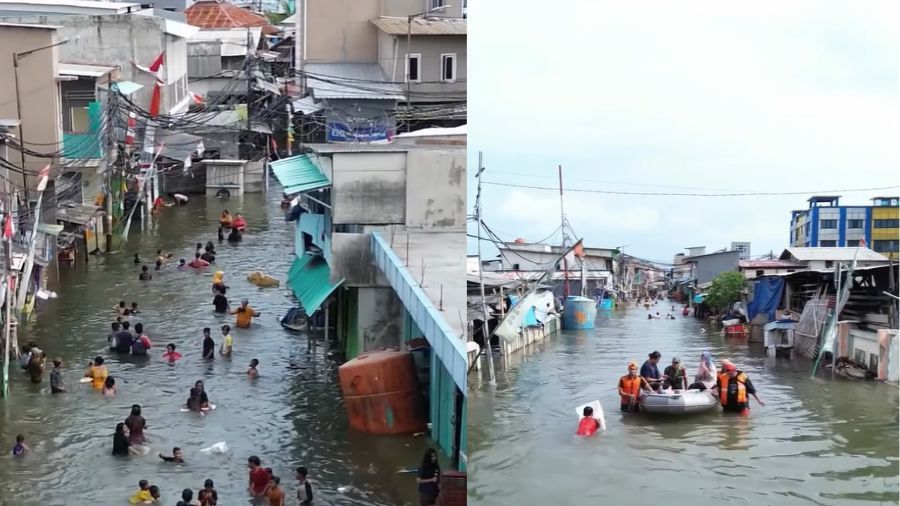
(81, 145)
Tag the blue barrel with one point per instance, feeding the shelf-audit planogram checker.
(579, 313)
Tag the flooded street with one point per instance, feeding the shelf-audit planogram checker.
(816, 441)
(292, 415)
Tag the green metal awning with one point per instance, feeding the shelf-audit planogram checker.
(299, 174)
(310, 279)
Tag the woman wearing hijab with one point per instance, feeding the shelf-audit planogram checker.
(218, 284)
(429, 478)
(706, 373)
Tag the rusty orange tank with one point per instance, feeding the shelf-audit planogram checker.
(381, 393)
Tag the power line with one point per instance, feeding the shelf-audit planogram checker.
(672, 194)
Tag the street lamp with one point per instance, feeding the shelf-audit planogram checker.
(16, 58)
(409, 20)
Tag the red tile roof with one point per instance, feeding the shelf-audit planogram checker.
(222, 15)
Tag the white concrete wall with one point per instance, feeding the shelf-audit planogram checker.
(436, 189)
(380, 317)
(369, 188)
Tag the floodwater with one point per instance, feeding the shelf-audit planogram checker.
(816, 441)
(292, 415)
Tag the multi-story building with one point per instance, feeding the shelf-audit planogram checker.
(361, 60)
(828, 224)
(379, 246)
(743, 248)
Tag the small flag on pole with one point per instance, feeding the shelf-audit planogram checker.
(862, 243)
(8, 227)
(45, 176)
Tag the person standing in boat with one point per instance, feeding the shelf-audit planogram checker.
(630, 387)
(650, 372)
(675, 377)
(706, 373)
(732, 389)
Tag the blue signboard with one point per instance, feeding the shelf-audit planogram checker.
(371, 131)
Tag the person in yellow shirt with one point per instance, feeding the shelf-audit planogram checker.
(97, 372)
(244, 314)
(227, 341)
(148, 494)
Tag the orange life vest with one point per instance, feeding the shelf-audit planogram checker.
(741, 388)
(630, 386)
(588, 426)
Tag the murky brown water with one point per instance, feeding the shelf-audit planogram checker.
(817, 441)
(293, 415)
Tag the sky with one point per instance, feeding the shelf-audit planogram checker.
(683, 97)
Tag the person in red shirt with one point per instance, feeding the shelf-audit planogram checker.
(588, 425)
(259, 477)
(198, 262)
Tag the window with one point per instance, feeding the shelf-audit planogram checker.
(436, 3)
(79, 119)
(886, 245)
(448, 67)
(414, 67)
(515, 267)
(855, 223)
(760, 272)
(859, 355)
(873, 362)
(829, 264)
(887, 224)
(827, 244)
(828, 224)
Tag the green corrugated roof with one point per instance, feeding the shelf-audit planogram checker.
(310, 279)
(299, 174)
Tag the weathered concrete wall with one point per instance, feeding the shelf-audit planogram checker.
(430, 48)
(341, 30)
(352, 260)
(38, 92)
(120, 40)
(369, 188)
(436, 189)
(380, 318)
(710, 266)
(403, 8)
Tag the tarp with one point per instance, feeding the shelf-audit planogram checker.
(766, 297)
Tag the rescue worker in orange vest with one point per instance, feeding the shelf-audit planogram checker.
(588, 425)
(733, 387)
(630, 387)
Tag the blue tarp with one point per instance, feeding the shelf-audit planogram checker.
(766, 297)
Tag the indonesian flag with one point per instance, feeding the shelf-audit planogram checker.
(862, 243)
(196, 98)
(44, 177)
(156, 68)
(129, 133)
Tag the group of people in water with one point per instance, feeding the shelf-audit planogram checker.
(731, 387)
(128, 337)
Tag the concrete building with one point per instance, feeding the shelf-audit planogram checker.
(743, 248)
(38, 93)
(382, 246)
(122, 40)
(353, 55)
(828, 224)
(824, 258)
(600, 265)
(705, 267)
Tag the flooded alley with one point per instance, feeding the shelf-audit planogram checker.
(816, 441)
(292, 416)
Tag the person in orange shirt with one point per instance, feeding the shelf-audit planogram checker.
(630, 387)
(245, 314)
(98, 373)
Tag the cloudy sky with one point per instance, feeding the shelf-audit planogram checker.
(675, 97)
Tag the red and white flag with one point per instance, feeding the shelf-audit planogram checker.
(45, 176)
(862, 243)
(156, 68)
(129, 133)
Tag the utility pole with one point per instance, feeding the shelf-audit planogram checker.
(485, 328)
(562, 213)
(299, 45)
(7, 273)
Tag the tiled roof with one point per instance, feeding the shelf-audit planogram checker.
(221, 14)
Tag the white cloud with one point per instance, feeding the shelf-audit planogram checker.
(800, 95)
